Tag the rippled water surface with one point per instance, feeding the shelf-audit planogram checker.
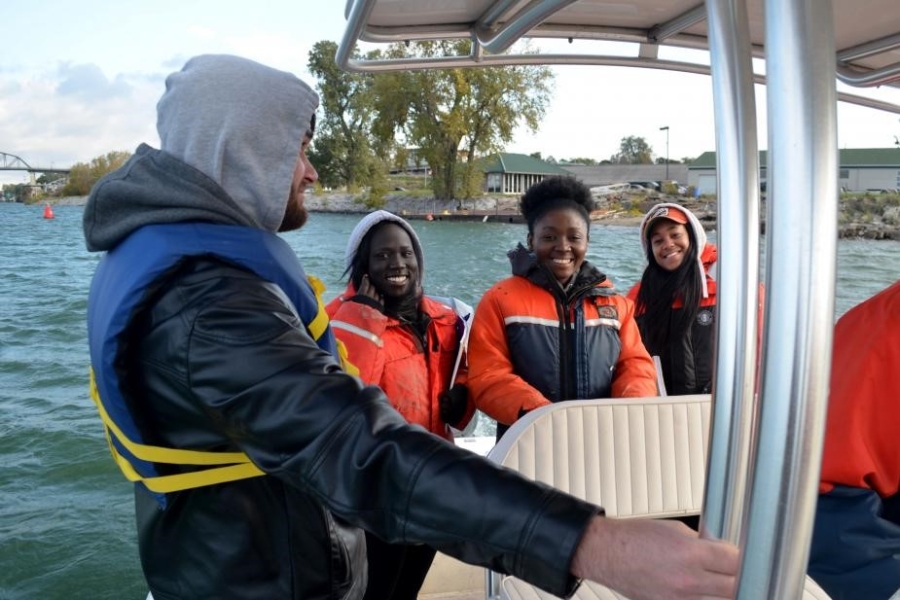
(66, 518)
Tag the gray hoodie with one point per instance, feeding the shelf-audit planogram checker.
(231, 131)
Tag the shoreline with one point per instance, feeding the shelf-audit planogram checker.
(853, 222)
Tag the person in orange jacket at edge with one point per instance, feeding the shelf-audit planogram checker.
(855, 550)
(411, 346)
(556, 329)
(676, 298)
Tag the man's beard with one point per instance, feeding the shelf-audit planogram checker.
(295, 216)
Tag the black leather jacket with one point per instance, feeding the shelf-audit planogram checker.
(216, 360)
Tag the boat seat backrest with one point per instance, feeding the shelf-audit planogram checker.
(636, 457)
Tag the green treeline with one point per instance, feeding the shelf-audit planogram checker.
(82, 177)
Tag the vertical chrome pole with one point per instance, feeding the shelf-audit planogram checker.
(801, 235)
(737, 166)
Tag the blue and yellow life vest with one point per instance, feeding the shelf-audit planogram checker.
(120, 284)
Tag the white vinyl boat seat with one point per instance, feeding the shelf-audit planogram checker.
(635, 457)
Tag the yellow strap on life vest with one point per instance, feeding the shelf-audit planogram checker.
(344, 357)
(318, 325)
(228, 466)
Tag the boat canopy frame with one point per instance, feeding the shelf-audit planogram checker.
(767, 424)
(493, 32)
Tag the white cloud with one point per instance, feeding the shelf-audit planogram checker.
(74, 115)
(88, 83)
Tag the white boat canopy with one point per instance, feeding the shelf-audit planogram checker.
(867, 34)
(765, 447)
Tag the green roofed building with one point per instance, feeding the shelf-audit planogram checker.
(515, 173)
(861, 170)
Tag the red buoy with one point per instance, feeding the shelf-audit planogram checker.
(48, 212)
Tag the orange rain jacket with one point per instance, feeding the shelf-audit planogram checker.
(412, 373)
(855, 549)
(861, 447)
(533, 344)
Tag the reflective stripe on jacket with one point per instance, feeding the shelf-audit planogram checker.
(126, 277)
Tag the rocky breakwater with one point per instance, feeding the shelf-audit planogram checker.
(868, 216)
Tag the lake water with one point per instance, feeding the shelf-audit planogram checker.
(66, 516)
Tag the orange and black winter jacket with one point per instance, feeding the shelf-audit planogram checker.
(532, 343)
(412, 371)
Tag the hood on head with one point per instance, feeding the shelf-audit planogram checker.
(678, 214)
(370, 221)
(241, 124)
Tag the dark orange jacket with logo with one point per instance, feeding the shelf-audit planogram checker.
(413, 372)
(532, 343)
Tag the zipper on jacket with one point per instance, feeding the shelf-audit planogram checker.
(568, 375)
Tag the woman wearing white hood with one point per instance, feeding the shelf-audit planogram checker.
(676, 298)
(410, 345)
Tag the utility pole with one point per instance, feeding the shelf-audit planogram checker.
(666, 129)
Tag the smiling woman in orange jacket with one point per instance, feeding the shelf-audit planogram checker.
(401, 340)
(556, 330)
(409, 345)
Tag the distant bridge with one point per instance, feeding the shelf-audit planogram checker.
(11, 162)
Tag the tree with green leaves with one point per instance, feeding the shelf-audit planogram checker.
(50, 177)
(457, 115)
(82, 177)
(343, 150)
(633, 150)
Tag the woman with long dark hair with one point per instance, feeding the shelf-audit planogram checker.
(676, 298)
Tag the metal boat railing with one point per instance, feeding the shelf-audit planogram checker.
(765, 453)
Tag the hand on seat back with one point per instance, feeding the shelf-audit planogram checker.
(647, 559)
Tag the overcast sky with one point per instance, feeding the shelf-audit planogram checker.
(78, 80)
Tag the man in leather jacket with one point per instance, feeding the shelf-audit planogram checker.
(256, 457)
